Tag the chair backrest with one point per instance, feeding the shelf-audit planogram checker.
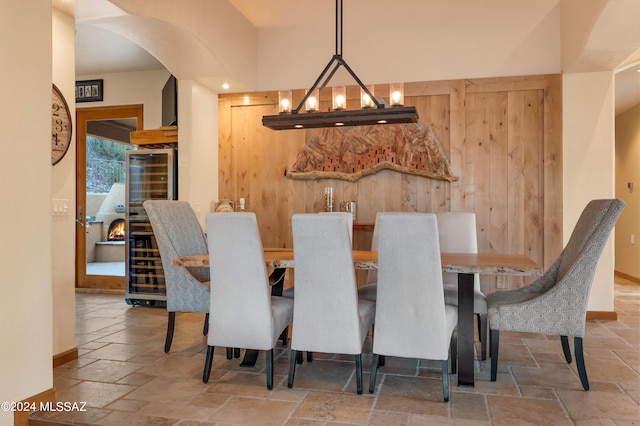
(177, 233)
(325, 312)
(349, 217)
(175, 224)
(457, 234)
(240, 294)
(590, 233)
(410, 311)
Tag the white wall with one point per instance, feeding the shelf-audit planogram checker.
(63, 186)
(197, 146)
(628, 170)
(385, 42)
(25, 220)
(588, 163)
(129, 88)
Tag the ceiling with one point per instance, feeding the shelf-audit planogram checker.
(99, 51)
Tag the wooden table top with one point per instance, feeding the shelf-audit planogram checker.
(480, 263)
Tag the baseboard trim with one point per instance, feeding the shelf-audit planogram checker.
(64, 357)
(21, 418)
(602, 315)
(627, 277)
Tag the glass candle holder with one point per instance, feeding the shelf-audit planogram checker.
(313, 101)
(328, 199)
(396, 94)
(339, 97)
(365, 100)
(284, 101)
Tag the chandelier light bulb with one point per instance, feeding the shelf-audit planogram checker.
(339, 94)
(396, 94)
(365, 100)
(284, 99)
(312, 103)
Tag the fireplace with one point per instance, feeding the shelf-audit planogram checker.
(116, 230)
(106, 232)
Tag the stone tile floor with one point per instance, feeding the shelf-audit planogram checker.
(125, 377)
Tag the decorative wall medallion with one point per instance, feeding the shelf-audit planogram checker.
(353, 152)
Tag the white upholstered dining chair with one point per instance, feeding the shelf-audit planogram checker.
(290, 292)
(246, 315)
(327, 315)
(412, 320)
(457, 234)
(178, 233)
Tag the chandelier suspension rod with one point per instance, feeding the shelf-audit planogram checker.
(320, 83)
(339, 33)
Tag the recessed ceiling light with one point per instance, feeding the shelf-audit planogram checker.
(225, 86)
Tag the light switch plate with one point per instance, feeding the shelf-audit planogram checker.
(60, 207)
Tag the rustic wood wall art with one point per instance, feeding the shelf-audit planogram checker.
(351, 153)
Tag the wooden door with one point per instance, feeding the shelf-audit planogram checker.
(83, 116)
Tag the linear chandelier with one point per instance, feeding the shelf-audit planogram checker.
(374, 110)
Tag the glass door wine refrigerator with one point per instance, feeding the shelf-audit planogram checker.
(151, 175)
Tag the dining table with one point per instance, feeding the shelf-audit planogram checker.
(465, 265)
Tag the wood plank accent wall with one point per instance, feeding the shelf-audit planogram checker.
(503, 137)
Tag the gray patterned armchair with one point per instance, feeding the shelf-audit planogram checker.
(556, 303)
(178, 233)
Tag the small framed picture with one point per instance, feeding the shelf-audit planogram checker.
(89, 91)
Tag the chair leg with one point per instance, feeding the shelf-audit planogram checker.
(381, 359)
(229, 353)
(284, 336)
(270, 369)
(374, 372)
(171, 325)
(582, 371)
(309, 356)
(495, 342)
(205, 329)
(236, 352)
(299, 357)
(482, 321)
(207, 364)
(445, 380)
(359, 374)
(453, 349)
(565, 348)
(292, 367)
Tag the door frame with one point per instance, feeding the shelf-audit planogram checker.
(102, 282)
